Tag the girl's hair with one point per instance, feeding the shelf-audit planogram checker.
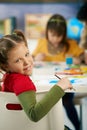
(57, 24)
(7, 43)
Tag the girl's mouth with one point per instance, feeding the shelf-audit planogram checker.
(28, 68)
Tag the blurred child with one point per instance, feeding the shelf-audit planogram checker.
(82, 15)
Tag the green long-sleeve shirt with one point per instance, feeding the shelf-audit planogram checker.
(36, 110)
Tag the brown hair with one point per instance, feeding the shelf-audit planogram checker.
(57, 24)
(8, 42)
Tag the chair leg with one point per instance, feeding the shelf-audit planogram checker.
(81, 123)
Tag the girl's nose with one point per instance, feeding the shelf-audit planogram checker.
(25, 61)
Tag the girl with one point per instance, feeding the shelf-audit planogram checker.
(17, 62)
(54, 48)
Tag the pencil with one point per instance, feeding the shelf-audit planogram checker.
(57, 76)
(60, 78)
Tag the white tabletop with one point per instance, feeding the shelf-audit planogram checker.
(44, 79)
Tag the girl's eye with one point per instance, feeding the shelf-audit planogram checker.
(27, 54)
(18, 60)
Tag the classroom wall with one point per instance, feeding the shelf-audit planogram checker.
(68, 10)
(33, 1)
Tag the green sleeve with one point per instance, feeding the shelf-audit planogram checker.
(36, 110)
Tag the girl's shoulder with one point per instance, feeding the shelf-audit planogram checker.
(14, 76)
(42, 40)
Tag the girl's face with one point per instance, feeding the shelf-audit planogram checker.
(19, 60)
(54, 39)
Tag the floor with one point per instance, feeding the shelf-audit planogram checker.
(84, 113)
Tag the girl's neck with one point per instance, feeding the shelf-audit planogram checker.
(55, 50)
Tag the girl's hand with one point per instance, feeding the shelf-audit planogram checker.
(65, 84)
(40, 57)
(85, 57)
(76, 60)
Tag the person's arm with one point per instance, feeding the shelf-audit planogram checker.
(80, 59)
(83, 57)
(36, 110)
(83, 39)
(37, 49)
(39, 52)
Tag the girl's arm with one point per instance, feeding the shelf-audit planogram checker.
(36, 110)
(80, 59)
(83, 57)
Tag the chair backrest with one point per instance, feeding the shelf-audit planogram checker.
(17, 119)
